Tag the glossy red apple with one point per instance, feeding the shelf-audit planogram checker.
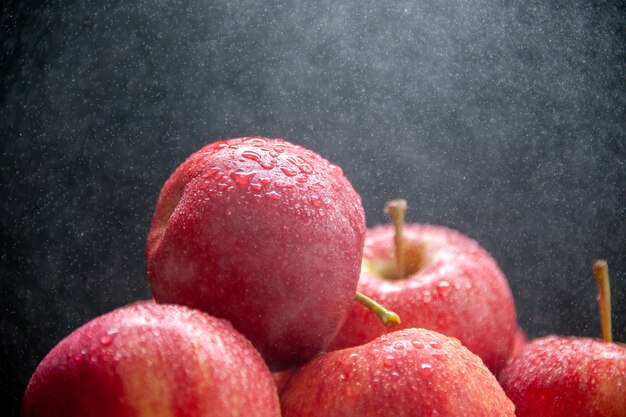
(560, 376)
(264, 233)
(564, 376)
(406, 373)
(152, 360)
(436, 278)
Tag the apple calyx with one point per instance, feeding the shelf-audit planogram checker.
(388, 317)
(600, 269)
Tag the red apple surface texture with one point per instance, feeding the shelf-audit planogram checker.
(266, 234)
(152, 360)
(406, 373)
(560, 376)
(451, 285)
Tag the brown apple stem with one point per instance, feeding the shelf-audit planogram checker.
(388, 317)
(601, 271)
(396, 210)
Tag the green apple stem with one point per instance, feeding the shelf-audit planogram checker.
(601, 271)
(396, 210)
(388, 317)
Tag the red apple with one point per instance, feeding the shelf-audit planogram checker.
(563, 376)
(446, 282)
(406, 373)
(266, 234)
(560, 376)
(152, 360)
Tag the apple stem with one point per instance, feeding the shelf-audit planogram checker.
(388, 317)
(396, 210)
(601, 271)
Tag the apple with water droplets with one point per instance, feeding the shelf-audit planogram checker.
(563, 376)
(264, 233)
(436, 278)
(406, 373)
(149, 359)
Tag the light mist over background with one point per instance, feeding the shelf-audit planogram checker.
(504, 120)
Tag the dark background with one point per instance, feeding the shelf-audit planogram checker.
(505, 120)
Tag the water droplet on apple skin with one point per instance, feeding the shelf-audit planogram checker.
(417, 344)
(389, 361)
(444, 288)
(435, 345)
(80, 355)
(242, 178)
(258, 142)
(288, 171)
(273, 195)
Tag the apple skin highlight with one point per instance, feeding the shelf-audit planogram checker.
(453, 286)
(265, 234)
(155, 360)
(406, 373)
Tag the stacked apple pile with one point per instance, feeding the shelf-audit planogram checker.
(265, 283)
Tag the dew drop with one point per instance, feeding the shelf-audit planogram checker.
(417, 344)
(255, 186)
(289, 172)
(444, 288)
(435, 345)
(256, 142)
(210, 172)
(398, 346)
(272, 195)
(427, 296)
(242, 178)
(222, 186)
(389, 361)
(283, 184)
(253, 156)
(305, 168)
(106, 339)
(80, 355)
(426, 368)
(315, 201)
(316, 186)
(353, 357)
